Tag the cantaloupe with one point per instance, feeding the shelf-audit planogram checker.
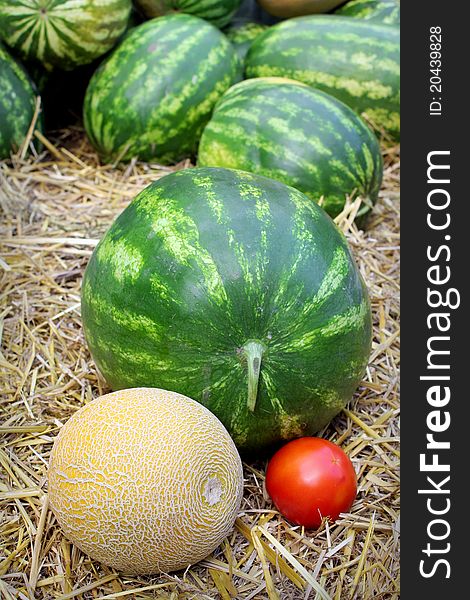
(145, 480)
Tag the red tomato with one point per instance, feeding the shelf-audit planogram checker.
(310, 478)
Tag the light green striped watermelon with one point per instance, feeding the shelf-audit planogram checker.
(242, 34)
(63, 33)
(381, 11)
(235, 290)
(17, 104)
(289, 131)
(217, 12)
(153, 96)
(356, 61)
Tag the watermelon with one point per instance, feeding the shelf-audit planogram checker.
(237, 291)
(356, 61)
(296, 8)
(153, 96)
(289, 131)
(63, 33)
(217, 12)
(383, 11)
(17, 104)
(242, 34)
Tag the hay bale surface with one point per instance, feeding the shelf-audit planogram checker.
(55, 208)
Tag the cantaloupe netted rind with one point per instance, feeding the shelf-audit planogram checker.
(145, 480)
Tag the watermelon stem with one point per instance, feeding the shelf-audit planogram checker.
(253, 351)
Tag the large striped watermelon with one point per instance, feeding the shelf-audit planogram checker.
(235, 290)
(63, 33)
(152, 98)
(17, 104)
(289, 131)
(242, 34)
(217, 12)
(356, 61)
(381, 11)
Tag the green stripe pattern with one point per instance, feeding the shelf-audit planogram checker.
(217, 12)
(63, 33)
(386, 12)
(291, 132)
(153, 96)
(17, 104)
(356, 61)
(242, 34)
(205, 267)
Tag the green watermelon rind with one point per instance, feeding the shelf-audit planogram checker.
(243, 34)
(17, 105)
(217, 12)
(386, 12)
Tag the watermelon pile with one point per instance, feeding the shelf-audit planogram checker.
(227, 281)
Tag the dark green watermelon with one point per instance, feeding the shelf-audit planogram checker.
(17, 105)
(235, 290)
(386, 12)
(289, 131)
(217, 12)
(155, 93)
(63, 92)
(63, 33)
(242, 34)
(356, 61)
